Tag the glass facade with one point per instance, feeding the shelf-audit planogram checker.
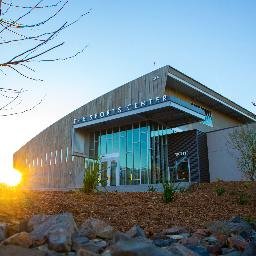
(139, 151)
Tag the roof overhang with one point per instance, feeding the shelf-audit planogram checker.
(173, 112)
(210, 98)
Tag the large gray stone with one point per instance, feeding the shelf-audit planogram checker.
(95, 246)
(181, 250)
(135, 248)
(2, 231)
(78, 241)
(59, 240)
(84, 252)
(136, 231)
(56, 229)
(13, 250)
(93, 228)
(230, 227)
(21, 239)
(250, 250)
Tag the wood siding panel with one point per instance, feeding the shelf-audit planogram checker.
(63, 175)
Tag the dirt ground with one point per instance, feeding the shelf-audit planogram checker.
(193, 208)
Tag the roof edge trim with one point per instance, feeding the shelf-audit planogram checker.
(211, 96)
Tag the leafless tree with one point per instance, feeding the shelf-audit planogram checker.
(32, 41)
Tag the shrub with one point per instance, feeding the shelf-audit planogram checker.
(243, 140)
(91, 178)
(169, 191)
(243, 199)
(220, 191)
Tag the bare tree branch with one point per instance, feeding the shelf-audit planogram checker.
(34, 40)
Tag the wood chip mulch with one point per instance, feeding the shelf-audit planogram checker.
(193, 209)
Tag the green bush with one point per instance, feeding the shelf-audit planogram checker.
(243, 199)
(169, 191)
(220, 191)
(91, 178)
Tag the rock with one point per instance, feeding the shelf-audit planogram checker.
(201, 233)
(136, 231)
(95, 245)
(180, 250)
(234, 253)
(2, 231)
(93, 228)
(237, 242)
(179, 237)
(163, 242)
(214, 249)
(13, 250)
(44, 248)
(135, 248)
(21, 239)
(78, 241)
(230, 227)
(118, 236)
(15, 226)
(43, 226)
(175, 230)
(84, 252)
(250, 249)
(36, 220)
(200, 250)
(190, 241)
(59, 240)
(211, 240)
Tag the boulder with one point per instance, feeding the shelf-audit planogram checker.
(95, 246)
(237, 242)
(93, 228)
(78, 241)
(15, 226)
(234, 226)
(250, 249)
(2, 231)
(163, 242)
(59, 240)
(13, 250)
(118, 236)
(134, 248)
(201, 233)
(190, 241)
(21, 239)
(136, 231)
(36, 220)
(175, 230)
(46, 227)
(84, 252)
(181, 250)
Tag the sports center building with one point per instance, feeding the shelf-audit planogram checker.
(161, 125)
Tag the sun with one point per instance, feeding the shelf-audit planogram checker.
(11, 178)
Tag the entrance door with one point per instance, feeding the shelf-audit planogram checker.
(110, 169)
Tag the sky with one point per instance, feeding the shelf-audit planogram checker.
(213, 42)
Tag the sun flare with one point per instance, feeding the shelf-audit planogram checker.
(11, 178)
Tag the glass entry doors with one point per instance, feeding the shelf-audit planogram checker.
(110, 169)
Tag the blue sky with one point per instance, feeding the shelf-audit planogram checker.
(212, 41)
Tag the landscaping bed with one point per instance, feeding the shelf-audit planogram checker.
(194, 208)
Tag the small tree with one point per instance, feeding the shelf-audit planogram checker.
(243, 140)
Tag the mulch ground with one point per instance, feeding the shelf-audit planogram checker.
(194, 208)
